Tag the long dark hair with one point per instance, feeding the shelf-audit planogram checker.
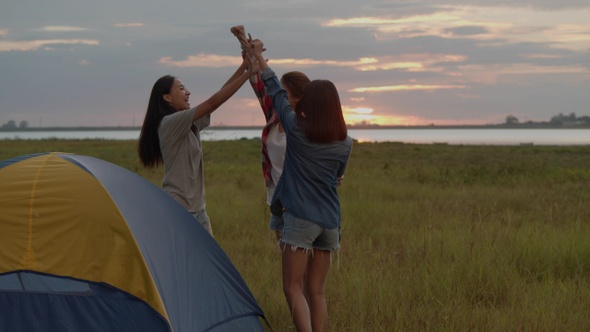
(148, 147)
(320, 113)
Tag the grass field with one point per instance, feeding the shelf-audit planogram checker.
(434, 237)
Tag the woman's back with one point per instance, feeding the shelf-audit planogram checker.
(308, 187)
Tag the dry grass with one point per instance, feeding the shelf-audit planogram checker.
(434, 238)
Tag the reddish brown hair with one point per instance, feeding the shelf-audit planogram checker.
(295, 82)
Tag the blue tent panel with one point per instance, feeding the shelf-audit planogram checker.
(34, 302)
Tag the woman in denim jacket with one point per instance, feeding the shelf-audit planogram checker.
(318, 150)
(273, 138)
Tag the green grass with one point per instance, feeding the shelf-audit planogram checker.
(434, 237)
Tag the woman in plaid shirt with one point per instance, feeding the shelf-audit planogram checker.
(274, 141)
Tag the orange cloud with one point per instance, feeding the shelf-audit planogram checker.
(541, 56)
(203, 60)
(33, 45)
(501, 25)
(412, 62)
(407, 87)
(128, 25)
(409, 62)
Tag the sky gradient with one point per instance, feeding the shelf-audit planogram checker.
(76, 63)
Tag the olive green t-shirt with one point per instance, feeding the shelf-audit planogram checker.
(183, 158)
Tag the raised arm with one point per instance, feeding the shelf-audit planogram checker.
(233, 84)
(257, 48)
(276, 92)
(241, 69)
(257, 85)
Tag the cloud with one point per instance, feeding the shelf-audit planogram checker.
(516, 72)
(572, 36)
(203, 60)
(540, 56)
(436, 60)
(412, 62)
(408, 87)
(528, 4)
(218, 61)
(408, 62)
(33, 45)
(58, 28)
(128, 25)
(498, 24)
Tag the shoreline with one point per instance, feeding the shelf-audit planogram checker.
(121, 128)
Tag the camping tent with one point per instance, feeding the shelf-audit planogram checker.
(86, 245)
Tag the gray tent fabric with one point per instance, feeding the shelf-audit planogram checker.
(197, 283)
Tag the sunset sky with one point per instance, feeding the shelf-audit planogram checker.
(90, 63)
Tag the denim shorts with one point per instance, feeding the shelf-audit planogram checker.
(276, 223)
(299, 233)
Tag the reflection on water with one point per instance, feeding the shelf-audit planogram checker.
(418, 136)
(476, 136)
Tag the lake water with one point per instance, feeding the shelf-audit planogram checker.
(460, 136)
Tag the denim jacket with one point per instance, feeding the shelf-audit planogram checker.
(308, 186)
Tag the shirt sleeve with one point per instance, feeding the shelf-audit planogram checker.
(203, 122)
(263, 98)
(175, 126)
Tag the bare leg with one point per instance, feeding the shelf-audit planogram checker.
(294, 266)
(317, 271)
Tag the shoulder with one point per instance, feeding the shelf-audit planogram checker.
(348, 140)
(180, 116)
(175, 125)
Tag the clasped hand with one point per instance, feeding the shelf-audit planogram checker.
(252, 48)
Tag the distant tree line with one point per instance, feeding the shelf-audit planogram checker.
(556, 121)
(12, 125)
(559, 120)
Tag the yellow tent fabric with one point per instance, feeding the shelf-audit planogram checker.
(54, 223)
(88, 245)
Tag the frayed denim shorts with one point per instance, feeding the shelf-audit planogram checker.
(299, 233)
